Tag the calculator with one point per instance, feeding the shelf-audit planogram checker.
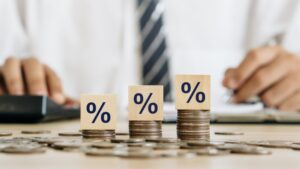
(34, 109)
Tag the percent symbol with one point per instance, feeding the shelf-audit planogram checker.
(139, 99)
(92, 108)
(187, 89)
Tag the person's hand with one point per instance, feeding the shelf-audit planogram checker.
(271, 73)
(30, 76)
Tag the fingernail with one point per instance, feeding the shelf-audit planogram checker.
(18, 93)
(58, 97)
(40, 92)
(232, 83)
(233, 99)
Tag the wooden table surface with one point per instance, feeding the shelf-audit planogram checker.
(281, 158)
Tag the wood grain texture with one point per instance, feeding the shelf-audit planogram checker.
(182, 98)
(87, 118)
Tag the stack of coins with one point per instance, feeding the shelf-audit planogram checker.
(145, 129)
(193, 125)
(98, 134)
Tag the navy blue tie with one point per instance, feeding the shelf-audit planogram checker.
(154, 54)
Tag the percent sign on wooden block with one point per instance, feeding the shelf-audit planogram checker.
(145, 102)
(192, 92)
(98, 112)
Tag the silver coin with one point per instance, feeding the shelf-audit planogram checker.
(231, 133)
(163, 140)
(211, 152)
(70, 134)
(102, 153)
(36, 132)
(5, 133)
(106, 145)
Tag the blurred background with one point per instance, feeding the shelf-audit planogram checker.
(94, 45)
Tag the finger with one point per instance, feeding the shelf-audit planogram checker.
(263, 79)
(71, 102)
(54, 86)
(254, 60)
(291, 104)
(281, 90)
(12, 74)
(35, 76)
(228, 73)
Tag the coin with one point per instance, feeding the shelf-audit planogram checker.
(163, 140)
(187, 154)
(135, 140)
(166, 146)
(145, 129)
(106, 145)
(97, 152)
(231, 133)
(245, 149)
(122, 133)
(118, 140)
(35, 132)
(5, 133)
(271, 143)
(45, 140)
(23, 149)
(204, 143)
(71, 134)
(66, 145)
(168, 154)
(295, 146)
(98, 134)
(193, 125)
(209, 151)
(137, 155)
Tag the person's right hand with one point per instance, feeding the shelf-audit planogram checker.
(30, 77)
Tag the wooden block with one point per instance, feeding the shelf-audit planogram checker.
(145, 102)
(189, 98)
(89, 108)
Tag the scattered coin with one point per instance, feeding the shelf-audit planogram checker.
(187, 154)
(71, 134)
(169, 154)
(66, 145)
(102, 153)
(5, 133)
(35, 132)
(166, 146)
(209, 151)
(245, 149)
(229, 133)
(271, 144)
(295, 146)
(103, 145)
(23, 149)
(163, 140)
(118, 140)
(45, 140)
(204, 143)
(122, 133)
(135, 140)
(137, 155)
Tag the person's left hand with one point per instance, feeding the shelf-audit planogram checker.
(271, 73)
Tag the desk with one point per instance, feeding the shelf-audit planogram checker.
(281, 158)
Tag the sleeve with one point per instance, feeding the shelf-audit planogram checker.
(291, 39)
(13, 39)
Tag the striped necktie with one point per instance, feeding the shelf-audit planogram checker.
(155, 60)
